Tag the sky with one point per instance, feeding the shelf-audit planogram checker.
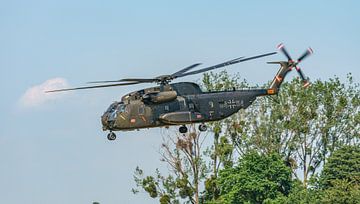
(52, 148)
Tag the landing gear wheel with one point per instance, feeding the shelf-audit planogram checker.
(202, 127)
(111, 136)
(183, 129)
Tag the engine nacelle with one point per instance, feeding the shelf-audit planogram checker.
(159, 97)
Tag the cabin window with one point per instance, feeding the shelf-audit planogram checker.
(211, 104)
(166, 108)
(182, 103)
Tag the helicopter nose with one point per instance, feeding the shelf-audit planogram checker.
(104, 121)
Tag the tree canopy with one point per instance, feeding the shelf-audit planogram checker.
(257, 177)
(271, 152)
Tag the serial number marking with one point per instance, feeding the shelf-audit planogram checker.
(231, 103)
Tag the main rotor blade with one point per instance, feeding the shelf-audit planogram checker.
(92, 87)
(121, 80)
(281, 47)
(227, 63)
(176, 74)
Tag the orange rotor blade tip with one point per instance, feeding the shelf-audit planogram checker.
(306, 84)
(281, 45)
(311, 50)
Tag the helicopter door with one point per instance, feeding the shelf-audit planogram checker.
(194, 104)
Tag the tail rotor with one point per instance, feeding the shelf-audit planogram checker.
(294, 64)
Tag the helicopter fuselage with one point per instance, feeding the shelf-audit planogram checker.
(175, 104)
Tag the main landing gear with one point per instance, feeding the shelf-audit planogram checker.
(111, 136)
(183, 129)
(202, 127)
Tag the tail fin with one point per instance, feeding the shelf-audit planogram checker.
(285, 67)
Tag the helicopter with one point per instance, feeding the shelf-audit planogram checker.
(185, 103)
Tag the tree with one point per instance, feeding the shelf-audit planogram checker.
(257, 177)
(303, 125)
(298, 194)
(342, 191)
(339, 181)
(343, 164)
(221, 151)
(184, 156)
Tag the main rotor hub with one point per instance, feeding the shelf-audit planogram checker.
(164, 79)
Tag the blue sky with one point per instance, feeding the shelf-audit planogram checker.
(56, 152)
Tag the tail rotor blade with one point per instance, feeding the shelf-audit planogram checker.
(293, 64)
(281, 47)
(302, 76)
(308, 52)
(306, 83)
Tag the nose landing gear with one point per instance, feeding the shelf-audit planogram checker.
(111, 136)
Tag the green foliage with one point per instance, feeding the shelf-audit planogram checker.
(212, 191)
(221, 152)
(342, 191)
(298, 195)
(157, 186)
(338, 182)
(303, 125)
(298, 128)
(256, 178)
(343, 165)
(222, 81)
(165, 199)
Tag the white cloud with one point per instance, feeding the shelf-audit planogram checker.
(36, 95)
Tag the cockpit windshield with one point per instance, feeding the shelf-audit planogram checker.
(120, 108)
(116, 107)
(112, 107)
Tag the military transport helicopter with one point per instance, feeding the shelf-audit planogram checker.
(184, 102)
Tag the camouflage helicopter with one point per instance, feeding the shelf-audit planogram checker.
(184, 102)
